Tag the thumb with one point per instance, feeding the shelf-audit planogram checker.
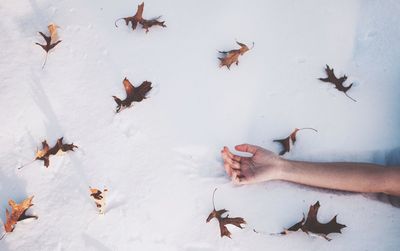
(247, 148)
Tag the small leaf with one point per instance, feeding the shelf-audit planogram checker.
(133, 94)
(53, 32)
(50, 41)
(138, 18)
(99, 198)
(45, 153)
(18, 213)
(223, 221)
(232, 56)
(312, 225)
(289, 140)
(338, 82)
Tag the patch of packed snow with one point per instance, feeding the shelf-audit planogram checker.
(160, 159)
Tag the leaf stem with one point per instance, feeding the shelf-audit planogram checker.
(115, 23)
(350, 97)
(26, 164)
(214, 198)
(252, 46)
(45, 60)
(308, 128)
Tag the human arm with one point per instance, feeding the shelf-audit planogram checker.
(265, 165)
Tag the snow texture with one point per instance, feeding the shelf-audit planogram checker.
(160, 159)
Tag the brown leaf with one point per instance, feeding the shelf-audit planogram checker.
(46, 152)
(64, 147)
(232, 56)
(49, 44)
(99, 198)
(138, 18)
(289, 140)
(312, 225)
(18, 213)
(53, 32)
(223, 221)
(146, 24)
(338, 82)
(133, 94)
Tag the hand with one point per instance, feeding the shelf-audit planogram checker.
(262, 166)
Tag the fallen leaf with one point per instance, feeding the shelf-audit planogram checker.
(289, 141)
(53, 32)
(62, 147)
(223, 221)
(49, 44)
(99, 198)
(45, 153)
(18, 213)
(138, 18)
(338, 82)
(312, 225)
(232, 56)
(133, 94)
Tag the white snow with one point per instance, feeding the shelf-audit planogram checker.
(160, 159)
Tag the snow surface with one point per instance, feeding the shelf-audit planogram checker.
(160, 159)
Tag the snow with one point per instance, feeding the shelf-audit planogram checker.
(160, 159)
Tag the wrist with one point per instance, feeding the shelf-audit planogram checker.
(280, 168)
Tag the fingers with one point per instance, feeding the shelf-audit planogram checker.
(233, 166)
(247, 148)
(230, 158)
(231, 155)
(227, 166)
(228, 169)
(231, 162)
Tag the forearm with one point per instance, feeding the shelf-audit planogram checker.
(355, 177)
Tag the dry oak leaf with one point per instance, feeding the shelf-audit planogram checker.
(312, 225)
(223, 221)
(50, 40)
(18, 213)
(45, 153)
(53, 32)
(133, 94)
(289, 141)
(99, 198)
(338, 82)
(232, 56)
(138, 18)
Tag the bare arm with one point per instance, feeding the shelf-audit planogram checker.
(265, 165)
(355, 177)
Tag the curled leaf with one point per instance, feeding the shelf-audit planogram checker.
(223, 221)
(45, 153)
(99, 198)
(289, 141)
(53, 32)
(138, 19)
(133, 94)
(312, 225)
(50, 41)
(18, 213)
(232, 56)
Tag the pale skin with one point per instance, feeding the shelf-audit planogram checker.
(265, 165)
